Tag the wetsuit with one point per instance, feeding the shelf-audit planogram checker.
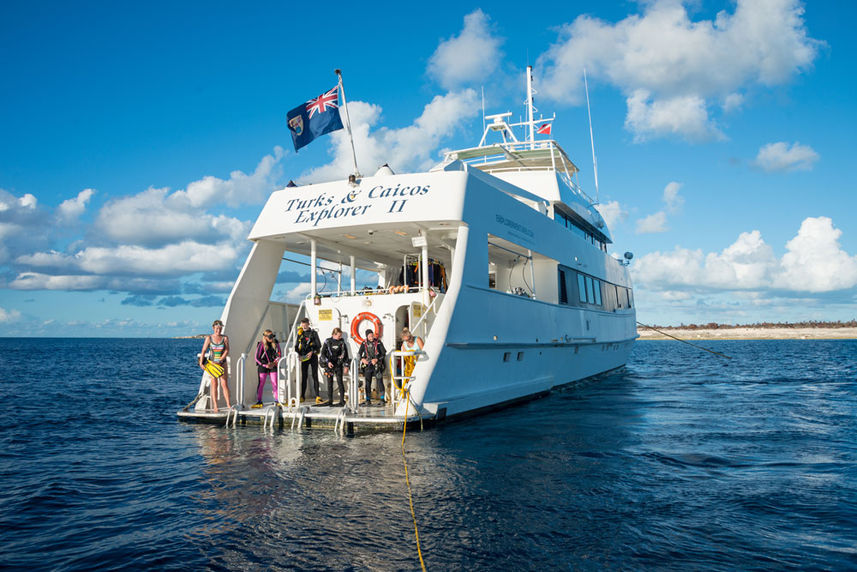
(307, 346)
(266, 354)
(335, 352)
(369, 351)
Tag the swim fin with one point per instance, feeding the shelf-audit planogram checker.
(214, 370)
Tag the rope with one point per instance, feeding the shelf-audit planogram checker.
(684, 341)
(408, 481)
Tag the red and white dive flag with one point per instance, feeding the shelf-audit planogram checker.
(544, 129)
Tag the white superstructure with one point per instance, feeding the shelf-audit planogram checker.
(511, 284)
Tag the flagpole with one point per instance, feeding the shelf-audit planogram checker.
(347, 122)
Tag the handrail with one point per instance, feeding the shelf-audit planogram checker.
(354, 385)
(291, 361)
(404, 380)
(429, 308)
(293, 332)
(240, 385)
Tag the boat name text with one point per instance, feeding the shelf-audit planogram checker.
(324, 206)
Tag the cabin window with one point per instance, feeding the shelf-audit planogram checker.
(507, 356)
(563, 292)
(628, 293)
(619, 295)
(590, 290)
(581, 288)
(597, 292)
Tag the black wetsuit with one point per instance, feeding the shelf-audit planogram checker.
(369, 351)
(335, 352)
(308, 342)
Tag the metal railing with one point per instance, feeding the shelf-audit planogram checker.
(292, 379)
(240, 384)
(400, 383)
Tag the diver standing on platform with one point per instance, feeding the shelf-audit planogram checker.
(334, 359)
(372, 353)
(307, 346)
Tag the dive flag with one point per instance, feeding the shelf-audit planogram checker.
(314, 118)
(544, 129)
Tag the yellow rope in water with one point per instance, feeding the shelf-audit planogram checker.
(408, 481)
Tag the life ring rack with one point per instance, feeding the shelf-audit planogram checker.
(358, 319)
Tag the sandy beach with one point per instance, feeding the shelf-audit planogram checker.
(750, 333)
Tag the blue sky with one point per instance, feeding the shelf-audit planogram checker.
(140, 141)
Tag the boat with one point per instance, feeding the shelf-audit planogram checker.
(495, 258)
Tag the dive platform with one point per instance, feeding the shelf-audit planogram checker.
(342, 420)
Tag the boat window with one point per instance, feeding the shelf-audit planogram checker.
(598, 292)
(590, 290)
(619, 296)
(628, 293)
(563, 293)
(581, 288)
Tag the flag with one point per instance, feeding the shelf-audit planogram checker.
(544, 129)
(314, 118)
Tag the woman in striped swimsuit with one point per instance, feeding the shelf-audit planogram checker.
(218, 344)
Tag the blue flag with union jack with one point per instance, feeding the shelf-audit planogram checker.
(314, 118)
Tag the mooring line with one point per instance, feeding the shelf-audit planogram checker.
(683, 341)
(408, 481)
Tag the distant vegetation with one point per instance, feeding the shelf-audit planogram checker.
(763, 325)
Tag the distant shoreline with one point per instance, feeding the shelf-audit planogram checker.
(751, 333)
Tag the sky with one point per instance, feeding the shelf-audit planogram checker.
(139, 142)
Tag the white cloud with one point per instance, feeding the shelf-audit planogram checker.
(39, 281)
(298, 293)
(684, 116)
(155, 217)
(612, 212)
(178, 259)
(672, 199)
(470, 57)
(404, 149)
(782, 157)
(813, 262)
(653, 223)
(240, 188)
(28, 201)
(657, 222)
(71, 209)
(7, 316)
(679, 64)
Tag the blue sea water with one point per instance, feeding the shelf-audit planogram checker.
(681, 461)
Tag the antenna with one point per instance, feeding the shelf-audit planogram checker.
(530, 102)
(591, 138)
(483, 109)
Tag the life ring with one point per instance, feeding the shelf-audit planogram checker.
(358, 319)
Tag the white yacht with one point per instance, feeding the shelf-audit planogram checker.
(495, 258)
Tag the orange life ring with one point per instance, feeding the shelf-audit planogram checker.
(358, 319)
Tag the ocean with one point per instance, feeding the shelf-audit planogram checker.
(680, 461)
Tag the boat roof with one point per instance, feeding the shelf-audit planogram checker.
(516, 156)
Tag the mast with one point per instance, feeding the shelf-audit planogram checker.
(591, 138)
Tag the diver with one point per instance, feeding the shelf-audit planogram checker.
(268, 353)
(372, 353)
(334, 360)
(307, 346)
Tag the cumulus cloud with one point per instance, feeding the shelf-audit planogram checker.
(666, 63)
(23, 225)
(814, 262)
(686, 116)
(657, 222)
(404, 149)
(782, 157)
(470, 57)
(186, 257)
(653, 223)
(157, 217)
(71, 209)
(240, 188)
(612, 212)
(9, 315)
